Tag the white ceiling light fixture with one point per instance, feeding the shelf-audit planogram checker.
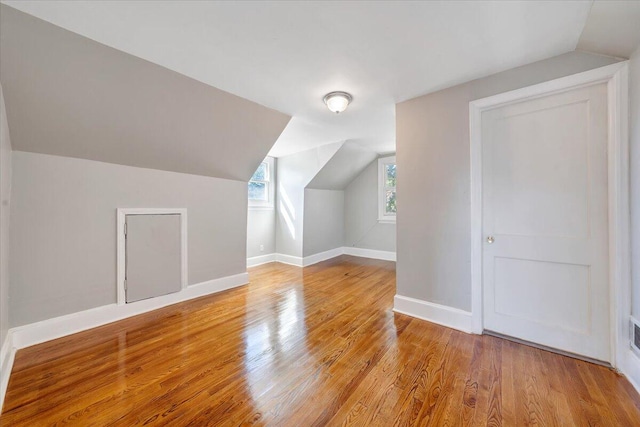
(337, 101)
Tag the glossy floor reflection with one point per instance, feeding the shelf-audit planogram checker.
(303, 347)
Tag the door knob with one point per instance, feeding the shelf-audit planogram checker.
(490, 239)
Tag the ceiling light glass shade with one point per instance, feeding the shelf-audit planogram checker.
(337, 101)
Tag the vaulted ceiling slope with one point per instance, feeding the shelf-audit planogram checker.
(71, 96)
(287, 55)
(346, 164)
(613, 28)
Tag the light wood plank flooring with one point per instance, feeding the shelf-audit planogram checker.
(305, 347)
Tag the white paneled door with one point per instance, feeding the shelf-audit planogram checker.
(545, 225)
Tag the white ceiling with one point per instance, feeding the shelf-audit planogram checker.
(287, 55)
(613, 28)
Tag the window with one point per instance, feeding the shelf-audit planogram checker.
(387, 189)
(259, 184)
(260, 187)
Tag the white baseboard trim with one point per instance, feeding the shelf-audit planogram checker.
(321, 256)
(369, 253)
(7, 355)
(260, 259)
(435, 313)
(630, 368)
(46, 330)
(289, 259)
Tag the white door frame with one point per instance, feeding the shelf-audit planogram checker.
(616, 77)
(121, 244)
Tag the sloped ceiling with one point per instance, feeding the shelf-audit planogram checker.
(71, 96)
(613, 28)
(346, 164)
(288, 54)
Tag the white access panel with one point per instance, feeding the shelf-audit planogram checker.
(153, 256)
(545, 221)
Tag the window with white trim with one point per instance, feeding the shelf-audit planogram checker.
(261, 185)
(387, 189)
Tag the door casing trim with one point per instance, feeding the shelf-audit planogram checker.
(617, 80)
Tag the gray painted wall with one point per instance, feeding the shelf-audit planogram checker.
(361, 226)
(261, 223)
(98, 103)
(63, 246)
(323, 220)
(261, 230)
(294, 173)
(5, 199)
(433, 179)
(634, 142)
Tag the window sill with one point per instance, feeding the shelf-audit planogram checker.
(386, 220)
(261, 208)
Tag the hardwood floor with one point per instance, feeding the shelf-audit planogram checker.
(305, 347)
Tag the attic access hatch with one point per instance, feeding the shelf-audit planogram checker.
(151, 253)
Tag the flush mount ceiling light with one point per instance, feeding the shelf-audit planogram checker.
(337, 101)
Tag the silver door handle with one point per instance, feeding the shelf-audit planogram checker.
(490, 239)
